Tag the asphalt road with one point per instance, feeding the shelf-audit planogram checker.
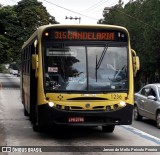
(148, 126)
(16, 129)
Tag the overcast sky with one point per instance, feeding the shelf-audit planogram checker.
(90, 11)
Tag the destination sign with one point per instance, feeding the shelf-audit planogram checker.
(86, 34)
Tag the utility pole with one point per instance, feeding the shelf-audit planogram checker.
(75, 18)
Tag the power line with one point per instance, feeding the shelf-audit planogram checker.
(137, 19)
(96, 6)
(98, 10)
(70, 10)
(102, 8)
(86, 10)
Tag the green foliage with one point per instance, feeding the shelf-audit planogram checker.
(32, 14)
(2, 68)
(141, 18)
(7, 33)
(3, 46)
(17, 23)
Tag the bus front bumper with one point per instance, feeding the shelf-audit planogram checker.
(53, 116)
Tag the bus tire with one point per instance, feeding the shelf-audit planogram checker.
(36, 128)
(25, 112)
(31, 117)
(108, 128)
(32, 112)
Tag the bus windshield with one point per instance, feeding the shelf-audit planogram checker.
(91, 68)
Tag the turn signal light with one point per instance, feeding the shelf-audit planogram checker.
(46, 34)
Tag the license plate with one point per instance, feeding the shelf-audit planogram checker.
(75, 119)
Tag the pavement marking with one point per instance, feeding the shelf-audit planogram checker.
(142, 134)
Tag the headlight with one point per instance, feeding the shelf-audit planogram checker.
(122, 103)
(51, 104)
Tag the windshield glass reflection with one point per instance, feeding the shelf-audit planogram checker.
(85, 68)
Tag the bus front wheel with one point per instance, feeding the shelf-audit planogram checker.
(25, 112)
(34, 120)
(37, 128)
(109, 128)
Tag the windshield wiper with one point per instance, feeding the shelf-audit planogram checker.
(117, 77)
(98, 62)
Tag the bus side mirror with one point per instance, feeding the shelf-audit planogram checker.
(35, 63)
(35, 43)
(35, 59)
(136, 63)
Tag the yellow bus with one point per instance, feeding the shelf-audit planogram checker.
(78, 75)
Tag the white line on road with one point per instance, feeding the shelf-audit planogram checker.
(142, 134)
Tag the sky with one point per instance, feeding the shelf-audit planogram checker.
(87, 11)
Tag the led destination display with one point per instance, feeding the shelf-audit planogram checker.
(87, 35)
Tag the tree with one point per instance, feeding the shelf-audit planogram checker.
(141, 18)
(151, 15)
(8, 24)
(17, 23)
(112, 15)
(32, 14)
